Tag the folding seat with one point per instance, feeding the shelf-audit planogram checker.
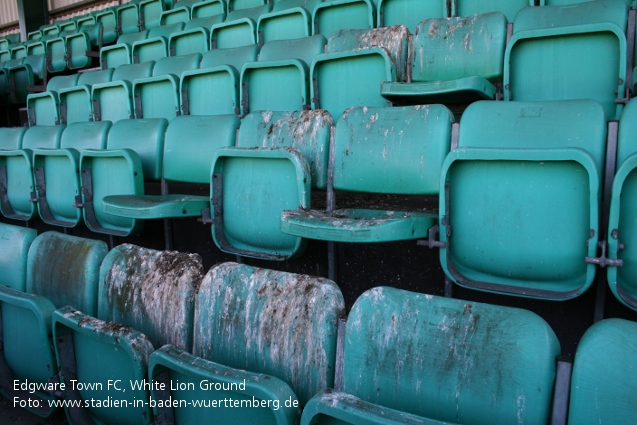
(57, 172)
(155, 46)
(150, 12)
(61, 270)
(411, 12)
(516, 165)
(5, 88)
(158, 96)
(279, 81)
(335, 15)
(107, 19)
(44, 108)
(83, 46)
(113, 101)
(134, 154)
(75, 102)
(422, 359)
(195, 37)
(16, 176)
(50, 31)
(240, 27)
(250, 187)
(289, 19)
(453, 60)
(56, 51)
(218, 73)
(145, 300)
(5, 55)
(274, 329)
(603, 383)
(176, 15)
(128, 18)
(206, 8)
(121, 53)
(356, 63)
(509, 8)
(188, 148)
(569, 52)
(396, 151)
(23, 77)
(621, 230)
(14, 247)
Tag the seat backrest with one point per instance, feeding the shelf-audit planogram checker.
(448, 359)
(451, 48)
(398, 150)
(176, 64)
(11, 137)
(151, 291)
(65, 269)
(62, 81)
(43, 137)
(605, 370)
(409, 12)
(307, 131)
(244, 4)
(509, 7)
(94, 77)
(235, 57)
(133, 37)
(189, 148)
(271, 322)
(304, 49)
(569, 52)
(165, 30)
(14, 248)
(85, 135)
(205, 22)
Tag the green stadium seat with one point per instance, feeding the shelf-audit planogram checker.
(195, 38)
(218, 73)
(145, 300)
(509, 8)
(22, 78)
(11, 137)
(280, 338)
(158, 96)
(44, 108)
(16, 176)
(413, 358)
(279, 81)
(188, 149)
(206, 8)
(156, 45)
(289, 19)
(604, 379)
(14, 247)
(356, 63)
(107, 18)
(150, 13)
(75, 102)
(56, 172)
(134, 154)
(113, 101)
(251, 187)
(336, 15)
(80, 46)
(61, 270)
(453, 60)
(121, 53)
(503, 225)
(411, 12)
(128, 18)
(622, 232)
(396, 151)
(569, 52)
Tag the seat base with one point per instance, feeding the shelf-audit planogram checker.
(358, 225)
(462, 90)
(159, 206)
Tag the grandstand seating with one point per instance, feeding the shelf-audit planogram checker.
(61, 270)
(15, 242)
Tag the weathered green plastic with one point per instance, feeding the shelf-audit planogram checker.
(604, 379)
(453, 60)
(231, 34)
(17, 166)
(158, 96)
(76, 101)
(509, 7)
(280, 80)
(331, 16)
(14, 247)
(410, 12)
(621, 229)
(114, 99)
(195, 37)
(355, 64)
(43, 108)
(396, 150)
(61, 269)
(190, 144)
(288, 20)
(516, 165)
(61, 171)
(257, 185)
(108, 19)
(128, 18)
(265, 321)
(581, 47)
(155, 46)
(28, 74)
(81, 42)
(121, 53)
(440, 359)
(11, 137)
(151, 11)
(205, 8)
(56, 49)
(218, 73)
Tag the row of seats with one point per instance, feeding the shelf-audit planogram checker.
(263, 338)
